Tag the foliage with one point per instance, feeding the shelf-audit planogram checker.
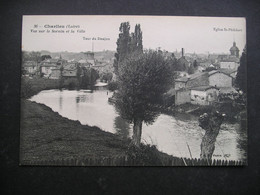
(195, 64)
(191, 69)
(89, 77)
(136, 44)
(44, 57)
(30, 87)
(240, 81)
(26, 88)
(122, 44)
(31, 56)
(144, 155)
(127, 44)
(142, 81)
(112, 86)
(107, 76)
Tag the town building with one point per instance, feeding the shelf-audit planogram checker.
(218, 78)
(230, 61)
(182, 96)
(30, 67)
(70, 70)
(193, 80)
(55, 73)
(234, 51)
(182, 63)
(46, 67)
(229, 65)
(204, 95)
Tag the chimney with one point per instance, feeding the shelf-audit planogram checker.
(182, 52)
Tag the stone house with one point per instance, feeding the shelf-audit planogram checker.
(231, 72)
(218, 78)
(46, 69)
(203, 95)
(47, 65)
(229, 65)
(182, 96)
(70, 70)
(193, 80)
(30, 67)
(56, 73)
(183, 85)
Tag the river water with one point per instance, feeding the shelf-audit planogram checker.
(172, 134)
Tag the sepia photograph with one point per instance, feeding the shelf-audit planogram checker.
(107, 90)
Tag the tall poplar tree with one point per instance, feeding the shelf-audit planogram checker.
(241, 73)
(127, 44)
(123, 43)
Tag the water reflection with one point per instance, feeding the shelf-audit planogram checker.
(122, 127)
(60, 100)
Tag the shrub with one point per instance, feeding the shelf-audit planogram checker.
(145, 155)
(112, 86)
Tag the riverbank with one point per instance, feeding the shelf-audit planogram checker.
(47, 136)
(32, 86)
(233, 113)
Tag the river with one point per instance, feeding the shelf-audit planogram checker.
(172, 134)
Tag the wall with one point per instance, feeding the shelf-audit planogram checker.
(56, 73)
(30, 69)
(46, 70)
(69, 73)
(220, 80)
(229, 65)
(204, 97)
(182, 97)
(179, 85)
(198, 97)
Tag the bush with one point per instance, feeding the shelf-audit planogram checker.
(112, 86)
(145, 155)
(26, 89)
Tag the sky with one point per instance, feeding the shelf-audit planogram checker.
(171, 33)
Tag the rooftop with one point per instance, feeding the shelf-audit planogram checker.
(190, 77)
(219, 71)
(29, 63)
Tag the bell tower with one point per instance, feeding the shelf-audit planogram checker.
(234, 51)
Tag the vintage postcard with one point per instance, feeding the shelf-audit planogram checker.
(133, 91)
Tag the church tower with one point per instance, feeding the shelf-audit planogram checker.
(234, 51)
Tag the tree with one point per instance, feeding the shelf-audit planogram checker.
(142, 80)
(136, 44)
(44, 57)
(191, 69)
(35, 56)
(195, 64)
(127, 44)
(88, 78)
(241, 73)
(211, 123)
(122, 44)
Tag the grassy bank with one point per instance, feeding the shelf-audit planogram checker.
(45, 136)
